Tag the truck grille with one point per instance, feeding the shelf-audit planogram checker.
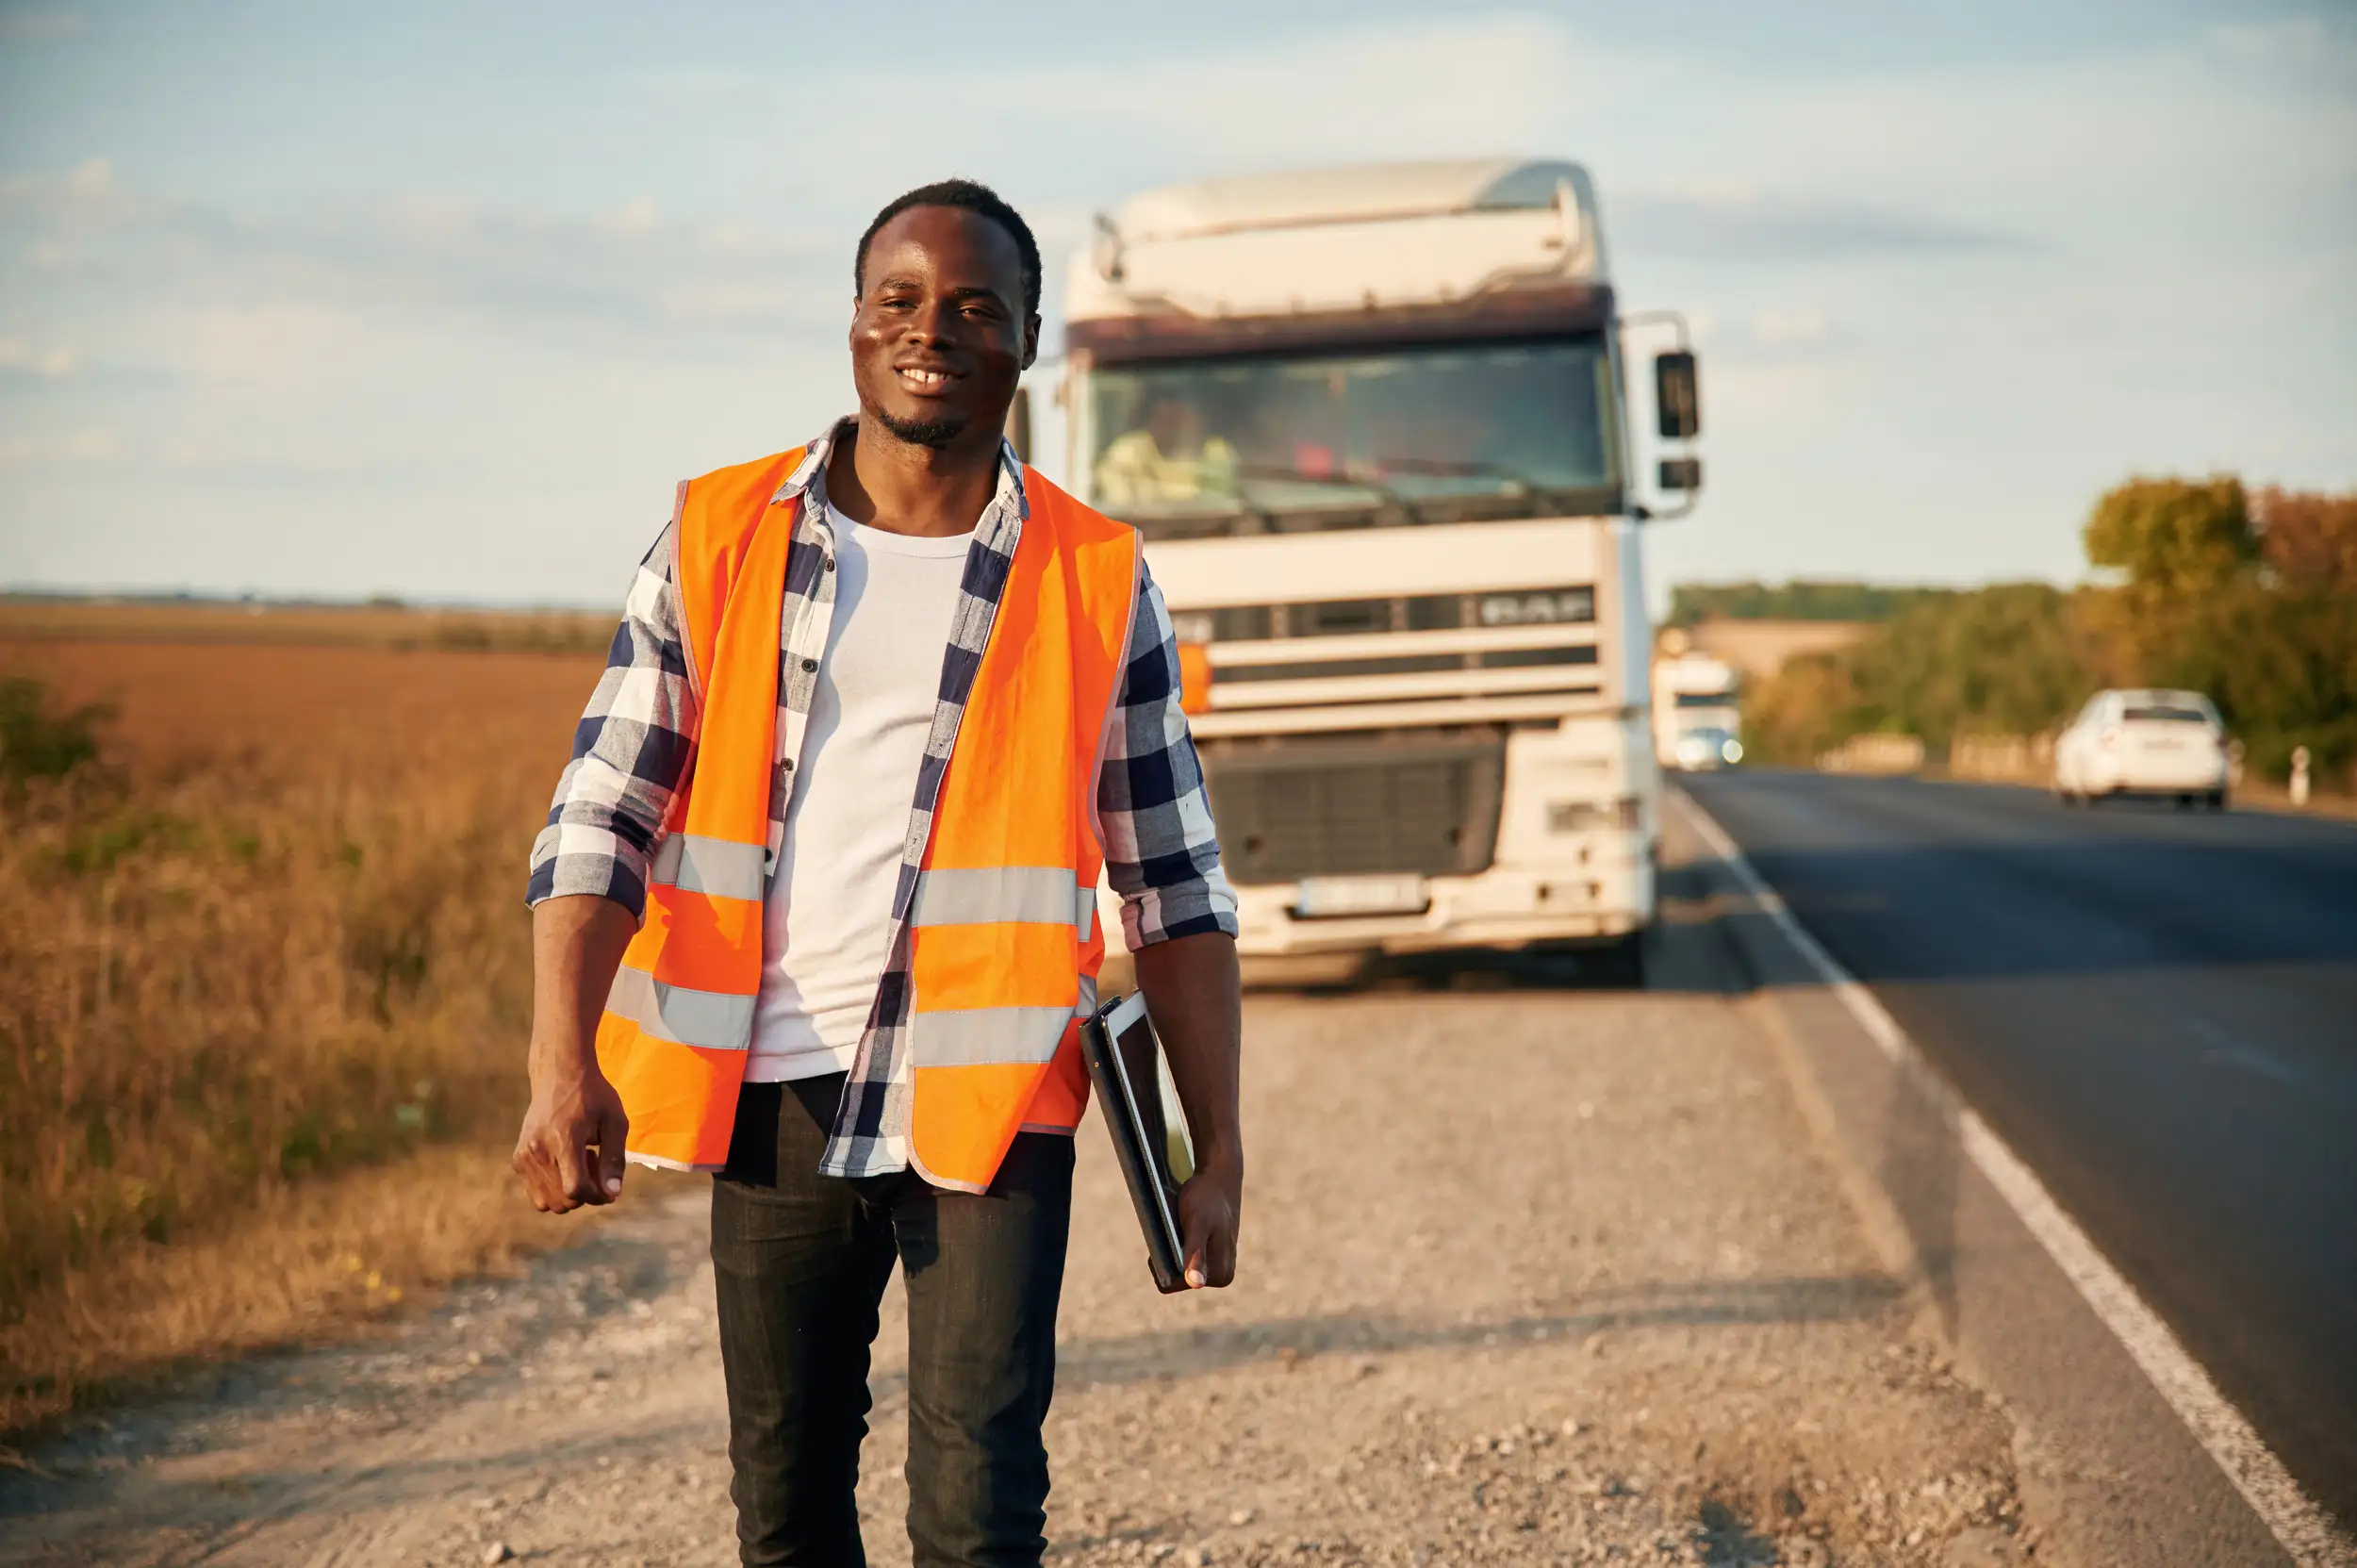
(1305, 808)
(1429, 612)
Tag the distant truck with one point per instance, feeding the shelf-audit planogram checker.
(1697, 720)
(1372, 423)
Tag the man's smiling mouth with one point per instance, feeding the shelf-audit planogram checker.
(924, 381)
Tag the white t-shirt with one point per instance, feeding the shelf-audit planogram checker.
(828, 915)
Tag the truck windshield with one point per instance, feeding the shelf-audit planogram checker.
(1440, 434)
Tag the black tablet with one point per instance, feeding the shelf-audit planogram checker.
(1148, 1128)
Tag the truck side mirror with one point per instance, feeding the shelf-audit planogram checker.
(1019, 424)
(1681, 473)
(1677, 396)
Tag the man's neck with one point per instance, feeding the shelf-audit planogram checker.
(880, 481)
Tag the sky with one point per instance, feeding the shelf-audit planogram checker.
(439, 300)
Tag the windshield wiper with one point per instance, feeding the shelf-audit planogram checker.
(1352, 481)
(1537, 495)
(1446, 466)
(1154, 523)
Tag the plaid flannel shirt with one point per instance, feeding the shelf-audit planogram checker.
(635, 741)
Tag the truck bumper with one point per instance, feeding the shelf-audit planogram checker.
(1501, 907)
(1609, 896)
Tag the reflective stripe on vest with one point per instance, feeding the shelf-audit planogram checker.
(1034, 895)
(1003, 941)
(697, 864)
(680, 1014)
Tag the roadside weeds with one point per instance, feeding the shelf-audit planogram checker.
(307, 1265)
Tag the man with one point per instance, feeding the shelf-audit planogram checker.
(878, 711)
(1166, 460)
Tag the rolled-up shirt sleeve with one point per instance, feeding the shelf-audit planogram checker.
(630, 750)
(1162, 850)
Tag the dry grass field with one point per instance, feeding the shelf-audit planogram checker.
(264, 982)
(381, 625)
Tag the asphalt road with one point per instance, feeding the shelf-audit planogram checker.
(2158, 1010)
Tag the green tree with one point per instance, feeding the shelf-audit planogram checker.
(2173, 537)
(1811, 706)
(2308, 541)
(1805, 600)
(2003, 660)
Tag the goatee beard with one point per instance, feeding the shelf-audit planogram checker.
(935, 434)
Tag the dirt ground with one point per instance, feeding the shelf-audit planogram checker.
(1531, 1275)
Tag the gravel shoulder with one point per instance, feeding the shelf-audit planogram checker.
(1532, 1274)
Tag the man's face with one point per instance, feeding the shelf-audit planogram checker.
(1174, 427)
(938, 333)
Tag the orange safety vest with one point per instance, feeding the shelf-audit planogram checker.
(1005, 942)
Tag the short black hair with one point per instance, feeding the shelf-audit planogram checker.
(972, 196)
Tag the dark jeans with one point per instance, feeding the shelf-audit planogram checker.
(800, 1261)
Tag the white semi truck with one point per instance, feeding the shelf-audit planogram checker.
(1373, 425)
(1697, 713)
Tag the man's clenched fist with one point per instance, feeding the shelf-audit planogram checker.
(571, 1149)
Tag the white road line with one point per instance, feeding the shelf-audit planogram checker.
(2304, 1530)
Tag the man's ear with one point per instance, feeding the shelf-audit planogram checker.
(1030, 340)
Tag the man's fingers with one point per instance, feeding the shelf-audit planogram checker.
(571, 1164)
(1200, 1237)
(532, 1170)
(1222, 1257)
(613, 1156)
(1215, 1258)
(552, 1195)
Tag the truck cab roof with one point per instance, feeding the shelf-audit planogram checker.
(1496, 245)
(1369, 192)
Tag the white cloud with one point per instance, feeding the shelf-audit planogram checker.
(1742, 223)
(2292, 41)
(629, 269)
(639, 215)
(458, 377)
(1773, 329)
(1762, 399)
(52, 363)
(1469, 87)
(40, 27)
(72, 446)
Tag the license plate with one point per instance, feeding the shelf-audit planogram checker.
(1319, 897)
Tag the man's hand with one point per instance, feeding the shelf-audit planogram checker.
(1210, 1210)
(1192, 989)
(577, 943)
(571, 1116)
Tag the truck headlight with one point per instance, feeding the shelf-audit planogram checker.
(1195, 677)
(1592, 815)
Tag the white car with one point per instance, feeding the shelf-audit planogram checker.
(2155, 743)
(1700, 751)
